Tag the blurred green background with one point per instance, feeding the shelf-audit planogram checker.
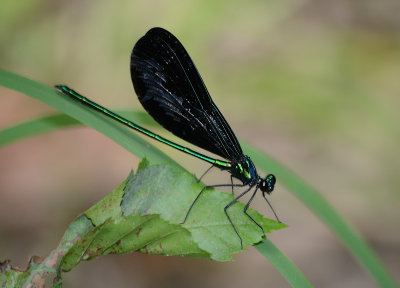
(313, 83)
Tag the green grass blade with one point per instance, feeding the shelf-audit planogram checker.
(35, 127)
(122, 135)
(282, 264)
(55, 122)
(316, 203)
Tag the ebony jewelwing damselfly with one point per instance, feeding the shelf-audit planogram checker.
(172, 91)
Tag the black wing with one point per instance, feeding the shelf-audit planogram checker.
(171, 90)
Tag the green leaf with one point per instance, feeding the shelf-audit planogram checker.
(144, 212)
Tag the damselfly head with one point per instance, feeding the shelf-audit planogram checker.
(267, 184)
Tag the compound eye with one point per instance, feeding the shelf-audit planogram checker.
(268, 184)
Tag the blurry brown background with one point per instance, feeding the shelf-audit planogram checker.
(315, 84)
